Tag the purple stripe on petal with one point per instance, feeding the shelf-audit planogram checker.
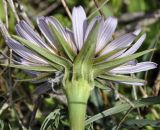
(121, 42)
(135, 47)
(70, 39)
(24, 52)
(133, 83)
(79, 23)
(43, 26)
(25, 31)
(57, 25)
(91, 26)
(139, 67)
(137, 32)
(105, 33)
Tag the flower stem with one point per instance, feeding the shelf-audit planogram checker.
(77, 95)
(77, 112)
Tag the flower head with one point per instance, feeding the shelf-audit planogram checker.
(111, 59)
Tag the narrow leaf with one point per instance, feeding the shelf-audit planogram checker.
(51, 119)
(124, 107)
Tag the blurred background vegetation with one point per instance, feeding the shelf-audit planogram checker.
(25, 105)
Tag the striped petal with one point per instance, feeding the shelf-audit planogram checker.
(133, 83)
(70, 39)
(79, 25)
(135, 47)
(91, 26)
(57, 25)
(121, 42)
(65, 32)
(43, 26)
(139, 67)
(24, 52)
(25, 31)
(106, 31)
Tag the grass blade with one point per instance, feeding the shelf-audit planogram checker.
(124, 107)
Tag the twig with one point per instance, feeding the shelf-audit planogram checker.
(123, 119)
(11, 3)
(6, 12)
(22, 13)
(121, 96)
(98, 9)
(156, 86)
(10, 79)
(135, 17)
(49, 9)
(3, 30)
(136, 97)
(66, 8)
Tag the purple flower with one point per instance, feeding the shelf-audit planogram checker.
(76, 38)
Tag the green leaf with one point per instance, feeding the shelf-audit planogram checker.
(55, 59)
(101, 68)
(83, 61)
(124, 107)
(51, 119)
(34, 68)
(121, 78)
(63, 45)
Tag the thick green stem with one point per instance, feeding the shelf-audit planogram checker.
(77, 112)
(77, 95)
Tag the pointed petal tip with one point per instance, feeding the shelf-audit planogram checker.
(78, 7)
(80, 10)
(137, 31)
(113, 18)
(38, 18)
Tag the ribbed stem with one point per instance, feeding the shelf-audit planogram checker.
(77, 112)
(77, 95)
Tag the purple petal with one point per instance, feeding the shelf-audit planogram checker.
(135, 47)
(121, 42)
(139, 67)
(70, 39)
(57, 25)
(24, 52)
(25, 31)
(79, 24)
(105, 33)
(137, 32)
(133, 83)
(43, 26)
(91, 26)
